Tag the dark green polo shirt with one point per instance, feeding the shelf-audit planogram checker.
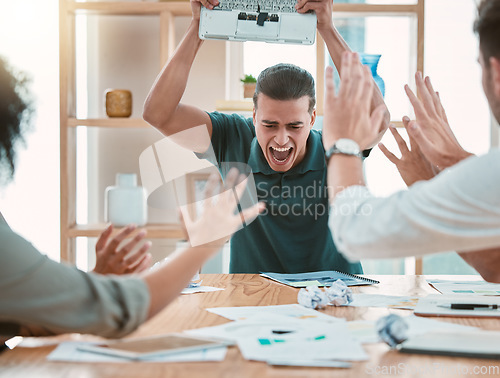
(292, 235)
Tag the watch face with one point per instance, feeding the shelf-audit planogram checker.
(347, 146)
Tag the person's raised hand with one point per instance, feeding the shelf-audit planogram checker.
(322, 8)
(431, 129)
(219, 217)
(347, 114)
(113, 257)
(412, 165)
(196, 7)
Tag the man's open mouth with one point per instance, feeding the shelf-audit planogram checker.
(281, 155)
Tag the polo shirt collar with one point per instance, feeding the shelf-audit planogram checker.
(314, 160)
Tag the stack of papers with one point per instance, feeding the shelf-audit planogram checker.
(271, 337)
(296, 336)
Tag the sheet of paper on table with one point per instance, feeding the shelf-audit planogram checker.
(317, 342)
(380, 300)
(478, 287)
(290, 310)
(200, 289)
(69, 352)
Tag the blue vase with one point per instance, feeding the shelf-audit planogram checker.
(371, 60)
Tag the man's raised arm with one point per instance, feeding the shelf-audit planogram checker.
(337, 46)
(162, 108)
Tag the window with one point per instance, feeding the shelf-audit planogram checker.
(30, 204)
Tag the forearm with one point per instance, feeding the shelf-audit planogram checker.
(166, 282)
(165, 95)
(336, 45)
(485, 261)
(343, 171)
(75, 302)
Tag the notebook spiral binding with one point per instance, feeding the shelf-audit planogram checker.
(358, 277)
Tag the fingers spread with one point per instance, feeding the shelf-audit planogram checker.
(206, 4)
(141, 265)
(434, 96)
(122, 235)
(252, 212)
(399, 140)
(441, 109)
(132, 259)
(345, 73)
(241, 186)
(103, 238)
(388, 154)
(131, 244)
(358, 89)
(231, 178)
(310, 5)
(210, 187)
(329, 85)
(415, 132)
(425, 95)
(413, 143)
(418, 107)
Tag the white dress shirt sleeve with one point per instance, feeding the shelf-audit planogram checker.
(457, 210)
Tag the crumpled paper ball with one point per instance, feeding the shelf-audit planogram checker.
(392, 329)
(313, 297)
(339, 294)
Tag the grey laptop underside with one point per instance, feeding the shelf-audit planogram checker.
(258, 21)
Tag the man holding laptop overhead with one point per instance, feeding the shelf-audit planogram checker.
(286, 156)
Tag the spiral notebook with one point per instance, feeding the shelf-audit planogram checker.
(323, 278)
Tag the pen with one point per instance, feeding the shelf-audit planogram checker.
(471, 306)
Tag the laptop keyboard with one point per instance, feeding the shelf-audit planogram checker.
(283, 6)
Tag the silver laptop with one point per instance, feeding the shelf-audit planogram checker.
(274, 21)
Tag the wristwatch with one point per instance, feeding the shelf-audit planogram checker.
(344, 146)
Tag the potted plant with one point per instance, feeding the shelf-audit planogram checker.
(249, 83)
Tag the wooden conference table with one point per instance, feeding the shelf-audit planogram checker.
(188, 311)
